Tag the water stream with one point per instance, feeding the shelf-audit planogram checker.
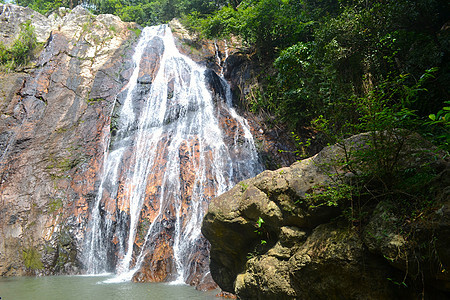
(175, 144)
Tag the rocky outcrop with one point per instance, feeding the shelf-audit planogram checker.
(54, 117)
(271, 240)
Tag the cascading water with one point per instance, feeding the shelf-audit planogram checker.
(174, 146)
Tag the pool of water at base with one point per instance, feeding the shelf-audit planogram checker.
(93, 287)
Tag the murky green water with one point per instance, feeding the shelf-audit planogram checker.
(93, 287)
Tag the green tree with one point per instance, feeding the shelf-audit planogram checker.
(45, 6)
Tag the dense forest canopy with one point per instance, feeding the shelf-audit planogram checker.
(342, 62)
(147, 12)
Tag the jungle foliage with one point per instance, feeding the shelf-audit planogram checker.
(143, 12)
(328, 59)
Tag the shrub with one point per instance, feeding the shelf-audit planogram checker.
(21, 50)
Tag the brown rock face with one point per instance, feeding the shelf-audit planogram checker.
(209, 53)
(54, 119)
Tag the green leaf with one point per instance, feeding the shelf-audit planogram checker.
(260, 222)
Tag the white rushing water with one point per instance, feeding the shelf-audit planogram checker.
(166, 126)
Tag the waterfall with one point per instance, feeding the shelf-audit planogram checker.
(174, 145)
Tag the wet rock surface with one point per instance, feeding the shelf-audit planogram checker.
(276, 146)
(209, 53)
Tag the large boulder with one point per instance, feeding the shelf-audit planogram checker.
(271, 240)
(331, 264)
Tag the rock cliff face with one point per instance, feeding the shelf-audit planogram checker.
(270, 241)
(54, 118)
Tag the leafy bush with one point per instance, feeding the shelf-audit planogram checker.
(440, 127)
(394, 163)
(21, 50)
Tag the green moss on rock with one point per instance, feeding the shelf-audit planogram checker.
(32, 259)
